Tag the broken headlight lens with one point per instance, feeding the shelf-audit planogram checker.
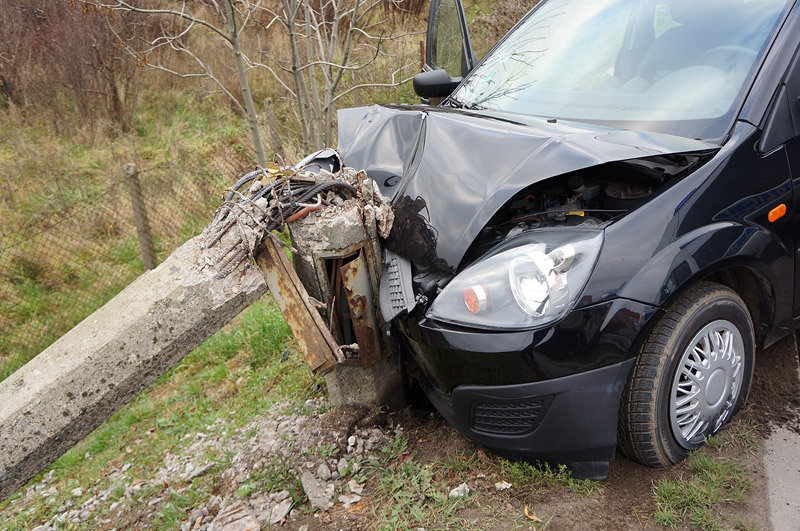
(531, 284)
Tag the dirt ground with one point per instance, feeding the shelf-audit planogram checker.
(422, 459)
(626, 499)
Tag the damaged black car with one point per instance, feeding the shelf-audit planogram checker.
(595, 223)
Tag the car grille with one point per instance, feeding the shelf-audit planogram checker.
(509, 417)
(396, 297)
(396, 292)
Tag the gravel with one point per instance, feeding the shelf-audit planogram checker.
(130, 495)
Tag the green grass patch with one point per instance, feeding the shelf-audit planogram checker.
(409, 496)
(457, 462)
(232, 378)
(276, 475)
(695, 500)
(543, 476)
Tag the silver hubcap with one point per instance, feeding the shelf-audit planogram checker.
(706, 383)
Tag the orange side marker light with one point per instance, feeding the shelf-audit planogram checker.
(476, 298)
(777, 213)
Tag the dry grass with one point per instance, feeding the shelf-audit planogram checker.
(67, 241)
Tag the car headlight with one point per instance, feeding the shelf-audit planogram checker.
(530, 285)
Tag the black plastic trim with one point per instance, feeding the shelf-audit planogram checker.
(578, 428)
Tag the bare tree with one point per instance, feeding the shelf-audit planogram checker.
(225, 20)
(326, 42)
(325, 39)
(49, 46)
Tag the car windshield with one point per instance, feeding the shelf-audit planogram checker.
(673, 66)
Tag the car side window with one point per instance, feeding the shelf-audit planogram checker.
(446, 49)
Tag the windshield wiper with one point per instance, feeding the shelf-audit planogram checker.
(453, 102)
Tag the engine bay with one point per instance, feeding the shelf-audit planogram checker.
(587, 198)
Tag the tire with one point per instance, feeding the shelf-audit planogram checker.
(677, 394)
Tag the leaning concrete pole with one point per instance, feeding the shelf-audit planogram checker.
(73, 386)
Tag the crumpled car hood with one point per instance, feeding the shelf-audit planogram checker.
(448, 171)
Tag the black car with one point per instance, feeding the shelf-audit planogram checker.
(595, 227)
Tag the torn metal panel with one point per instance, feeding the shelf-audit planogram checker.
(360, 290)
(340, 259)
(310, 331)
(349, 279)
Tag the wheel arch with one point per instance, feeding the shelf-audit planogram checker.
(744, 258)
(756, 291)
(749, 283)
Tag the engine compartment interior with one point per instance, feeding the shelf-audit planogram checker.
(591, 197)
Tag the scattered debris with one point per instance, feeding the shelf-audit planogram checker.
(197, 472)
(279, 511)
(502, 485)
(355, 487)
(236, 517)
(319, 493)
(348, 500)
(462, 491)
(342, 467)
(531, 516)
(323, 472)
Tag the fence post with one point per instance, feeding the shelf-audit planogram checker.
(140, 215)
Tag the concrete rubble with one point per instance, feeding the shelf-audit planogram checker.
(319, 491)
(462, 491)
(274, 440)
(236, 517)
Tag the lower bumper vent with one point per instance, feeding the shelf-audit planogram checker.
(509, 417)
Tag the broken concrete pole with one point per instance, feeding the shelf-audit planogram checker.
(340, 263)
(365, 386)
(78, 382)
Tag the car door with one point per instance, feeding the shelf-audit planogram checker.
(448, 50)
(785, 124)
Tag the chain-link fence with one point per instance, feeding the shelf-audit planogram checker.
(69, 258)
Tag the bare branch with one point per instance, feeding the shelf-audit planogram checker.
(122, 5)
(392, 84)
(248, 13)
(209, 74)
(271, 71)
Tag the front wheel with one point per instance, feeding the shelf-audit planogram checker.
(692, 375)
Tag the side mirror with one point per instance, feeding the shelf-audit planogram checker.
(435, 84)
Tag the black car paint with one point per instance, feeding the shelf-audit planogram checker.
(458, 167)
(465, 166)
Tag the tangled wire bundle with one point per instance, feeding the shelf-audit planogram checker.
(275, 196)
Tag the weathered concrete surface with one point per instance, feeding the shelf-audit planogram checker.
(78, 382)
(366, 386)
(782, 465)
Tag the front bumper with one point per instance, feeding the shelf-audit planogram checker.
(551, 394)
(570, 420)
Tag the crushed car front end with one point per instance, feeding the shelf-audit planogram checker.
(495, 239)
